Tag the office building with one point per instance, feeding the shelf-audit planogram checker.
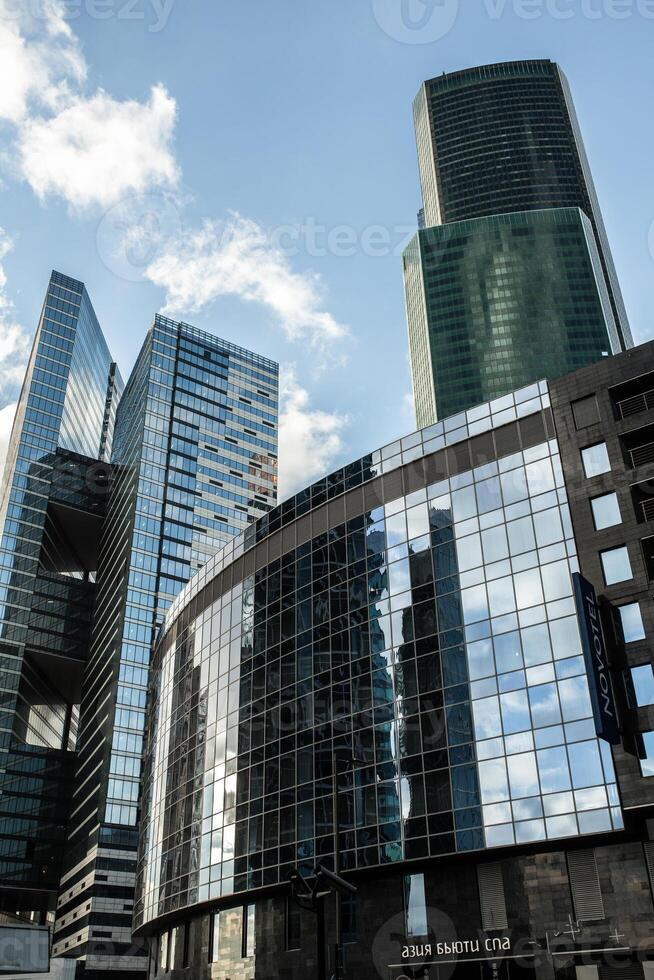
(93, 552)
(54, 495)
(437, 664)
(195, 461)
(493, 303)
(492, 141)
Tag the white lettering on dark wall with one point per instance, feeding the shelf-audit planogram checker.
(605, 688)
(458, 947)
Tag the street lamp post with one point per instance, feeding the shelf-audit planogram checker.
(339, 958)
(326, 881)
(338, 950)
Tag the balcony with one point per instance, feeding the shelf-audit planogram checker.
(642, 497)
(642, 455)
(633, 396)
(638, 447)
(635, 404)
(648, 555)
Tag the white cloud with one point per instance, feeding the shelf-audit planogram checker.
(310, 439)
(6, 421)
(14, 352)
(14, 339)
(97, 150)
(40, 57)
(408, 410)
(89, 149)
(237, 258)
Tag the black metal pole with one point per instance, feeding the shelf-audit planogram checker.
(321, 944)
(338, 950)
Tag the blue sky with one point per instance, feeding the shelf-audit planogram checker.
(251, 168)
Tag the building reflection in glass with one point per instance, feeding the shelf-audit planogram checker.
(428, 650)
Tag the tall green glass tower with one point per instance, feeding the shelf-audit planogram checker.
(512, 277)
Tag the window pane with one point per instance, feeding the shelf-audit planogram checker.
(349, 918)
(187, 944)
(249, 931)
(214, 938)
(642, 686)
(632, 622)
(415, 905)
(647, 761)
(595, 459)
(163, 952)
(616, 565)
(585, 412)
(606, 511)
(293, 924)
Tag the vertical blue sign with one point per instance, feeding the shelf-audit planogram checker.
(597, 668)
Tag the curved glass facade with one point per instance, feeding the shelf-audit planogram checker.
(407, 624)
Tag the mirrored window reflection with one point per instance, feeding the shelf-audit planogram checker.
(640, 686)
(163, 952)
(443, 637)
(415, 906)
(595, 459)
(606, 511)
(647, 754)
(616, 565)
(249, 944)
(631, 622)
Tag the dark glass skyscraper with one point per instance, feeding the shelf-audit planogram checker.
(496, 140)
(494, 302)
(195, 461)
(53, 503)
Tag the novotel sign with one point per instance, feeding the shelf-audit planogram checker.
(597, 668)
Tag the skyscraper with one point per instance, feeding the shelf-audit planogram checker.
(53, 503)
(492, 303)
(195, 461)
(492, 141)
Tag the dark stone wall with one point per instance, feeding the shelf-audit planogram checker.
(538, 905)
(599, 380)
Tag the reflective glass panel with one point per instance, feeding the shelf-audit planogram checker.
(616, 565)
(595, 459)
(631, 620)
(606, 511)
